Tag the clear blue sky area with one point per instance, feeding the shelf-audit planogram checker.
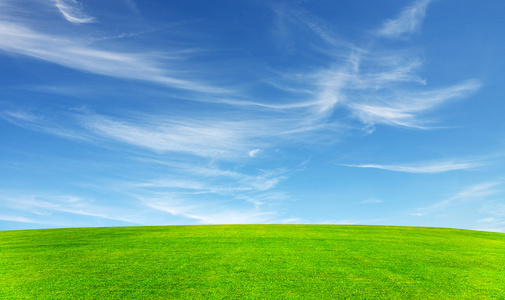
(128, 112)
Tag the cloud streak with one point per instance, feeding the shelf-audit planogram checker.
(73, 12)
(405, 109)
(478, 192)
(407, 22)
(76, 54)
(39, 207)
(207, 138)
(210, 213)
(476, 206)
(424, 168)
(17, 219)
(44, 124)
(257, 187)
(215, 137)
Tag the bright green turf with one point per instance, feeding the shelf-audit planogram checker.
(252, 262)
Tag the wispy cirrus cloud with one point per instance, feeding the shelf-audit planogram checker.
(216, 137)
(255, 152)
(425, 168)
(496, 221)
(376, 85)
(39, 122)
(371, 201)
(366, 82)
(264, 181)
(73, 11)
(191, 193)
(384, 89)
(209, 213)
(406, 109)
(477, 206)
(39, 207)
(17, 219)
(380, 96)
(210, 193)
(211, 138)
(199, 181)
(478, 192)
(77, 54)
(407, 22)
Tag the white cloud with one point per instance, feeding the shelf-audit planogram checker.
(46, 205)
(346, 82)
(487, 220)
(209, 213)
(75, 53)
(73, 12)
(192, 169)
(478, 191)
(405, 109)
(429, 167)
(236, 186)
(417, 214)
(210, 195)
(17, 219)
(407, 22)
(474, 193)
(495, 223)
(43, 124)
(495, 208)
(255, 152)
(377, 86)
(371, 201)
(207, 139)
(216, 136)
(476, 207)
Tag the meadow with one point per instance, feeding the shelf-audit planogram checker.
(252, 262)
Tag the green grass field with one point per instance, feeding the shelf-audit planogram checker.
(252, 262)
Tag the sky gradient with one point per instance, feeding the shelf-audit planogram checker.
(125, 112)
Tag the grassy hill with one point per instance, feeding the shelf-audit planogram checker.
(252, 262)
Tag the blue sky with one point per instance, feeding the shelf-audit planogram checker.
(127, 112)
